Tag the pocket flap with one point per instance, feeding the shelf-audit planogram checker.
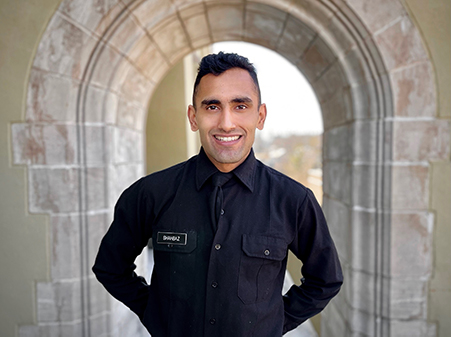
(264, 247)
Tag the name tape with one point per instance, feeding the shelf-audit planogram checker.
(172, 238)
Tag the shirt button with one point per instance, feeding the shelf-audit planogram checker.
(217, 246)
(267, 252)
(212, 321)
(214, 284)
(222, 212)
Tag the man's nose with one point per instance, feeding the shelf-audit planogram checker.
(226, 121)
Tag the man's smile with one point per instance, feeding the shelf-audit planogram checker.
(227, 139)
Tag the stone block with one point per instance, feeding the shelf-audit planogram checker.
(118, 77)
(333, 322)
(201, 42)
(362, 323)
(264, 23)
(64, 49)
(110, 108)
(125, 34)
(58, 302)
(333, 80)
(338, 36)
(339, 222)
(135, 86)
(120, 177)
(93, 137)
(125, 322)
(100, 106)
(96, 195)
(363, 287)
(65, 243)
(94, 15)
(97, 225)
(400, 44)
(356, 67)
(44, 144)
(172, 39)
(51, 97)
(341, 301)
(408, 299)
(294, 40)
(338, 143)
(72, 329)
(344, 12)
(224, 18)
(317, 59)
(347, 290)
(196, 24)
(28, 331)
(363, 244)
(411, 245)
(99, 326)
(412, 328)
(421, 140)
(106, 58)
(54, 190)
(414, 91)
(364, 101)
(364, 185)
(337, 108)
(94, 109)
(130, 115)
(337, 181)
(148, 59)
(151, 13)
(377, 15)
(99, 300)
(409, 187)
(128, 145)
(311, 12)
(109, 144)
(365, 140)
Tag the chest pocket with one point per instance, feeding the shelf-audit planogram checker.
(175, 261)
(261, 263)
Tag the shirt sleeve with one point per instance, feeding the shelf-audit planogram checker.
(321, 270)
(127, 236)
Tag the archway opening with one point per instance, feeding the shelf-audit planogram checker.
(95, 92)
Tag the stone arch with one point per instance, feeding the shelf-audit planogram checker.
(99, 62)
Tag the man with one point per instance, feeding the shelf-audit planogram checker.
(221, 225)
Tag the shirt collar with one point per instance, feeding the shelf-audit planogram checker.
(244, 172)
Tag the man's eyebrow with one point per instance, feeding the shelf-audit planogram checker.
(210, 101)
(243, 99)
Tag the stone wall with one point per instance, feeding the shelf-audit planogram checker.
(82, 142)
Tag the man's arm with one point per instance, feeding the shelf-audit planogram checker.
(127, 236)
(321, 270)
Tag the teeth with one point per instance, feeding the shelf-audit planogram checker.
(227, 139)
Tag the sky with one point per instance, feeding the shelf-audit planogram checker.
(291, 103)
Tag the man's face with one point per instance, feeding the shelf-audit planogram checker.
(226, 115)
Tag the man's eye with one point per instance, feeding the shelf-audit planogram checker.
(241, 107)
(212, 107)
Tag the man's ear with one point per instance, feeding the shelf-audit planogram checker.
(192, 118)
(261, 116)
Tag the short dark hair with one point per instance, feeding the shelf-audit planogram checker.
(216, 64)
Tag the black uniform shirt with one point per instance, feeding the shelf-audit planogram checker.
(226, 282)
